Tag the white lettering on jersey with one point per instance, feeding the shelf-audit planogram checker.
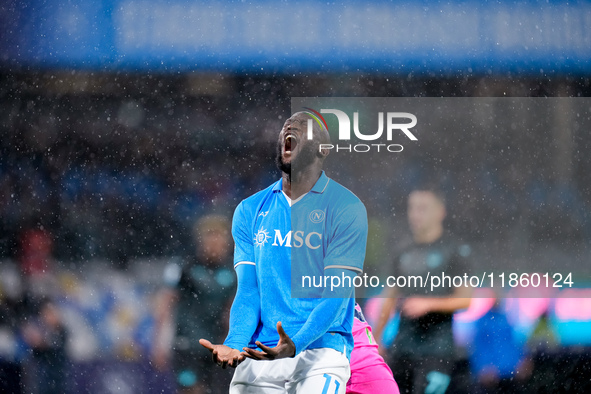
(309, 244)
(282, 240)
(299, 241)
(299, 237)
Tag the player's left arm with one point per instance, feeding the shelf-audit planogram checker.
(344, 258)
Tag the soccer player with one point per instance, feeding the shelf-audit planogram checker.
(304, 223)
(423, 351)
(369, 373)
(197, 291)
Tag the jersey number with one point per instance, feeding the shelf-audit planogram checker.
(327, 384)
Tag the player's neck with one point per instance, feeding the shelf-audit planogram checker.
(297, 184)
(429, 235)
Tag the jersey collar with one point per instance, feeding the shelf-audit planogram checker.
(321, 183)
(278, 185)
(319, 186)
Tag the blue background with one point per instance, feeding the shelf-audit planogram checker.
(435, 37)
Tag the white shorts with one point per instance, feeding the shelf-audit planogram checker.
(314, 371)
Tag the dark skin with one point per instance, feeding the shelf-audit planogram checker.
(303, 176)
(297, 180)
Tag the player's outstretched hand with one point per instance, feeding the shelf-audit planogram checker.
(223, 355)
(285, 348)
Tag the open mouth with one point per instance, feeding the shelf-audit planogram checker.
(290, 143)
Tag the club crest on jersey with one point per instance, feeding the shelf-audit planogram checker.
(317, 216)
(261, 237)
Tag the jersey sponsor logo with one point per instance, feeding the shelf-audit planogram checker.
(263, 214)
(312, 240)
(261, 237)
(317, 216)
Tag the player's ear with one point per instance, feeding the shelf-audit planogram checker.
(322, 152)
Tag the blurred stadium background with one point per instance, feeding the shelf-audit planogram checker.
(123, 121)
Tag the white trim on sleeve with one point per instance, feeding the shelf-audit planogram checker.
(244, 262)
(344, 267)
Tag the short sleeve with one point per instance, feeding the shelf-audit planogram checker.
(349, 239)
(242, 234)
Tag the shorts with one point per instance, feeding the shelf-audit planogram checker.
(383, 386)
(376, 379)
(322, 371)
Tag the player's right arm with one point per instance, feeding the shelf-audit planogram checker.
(244, 319)
(246, 309)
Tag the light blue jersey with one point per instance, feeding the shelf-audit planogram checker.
(326, 229)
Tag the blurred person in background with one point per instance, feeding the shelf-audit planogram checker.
(35, 256)
(498, 358)
(46, 336)
(11, 304)
(35, 252)
(196, 291)
(422, 356)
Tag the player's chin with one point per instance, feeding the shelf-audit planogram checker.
(286, 157)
